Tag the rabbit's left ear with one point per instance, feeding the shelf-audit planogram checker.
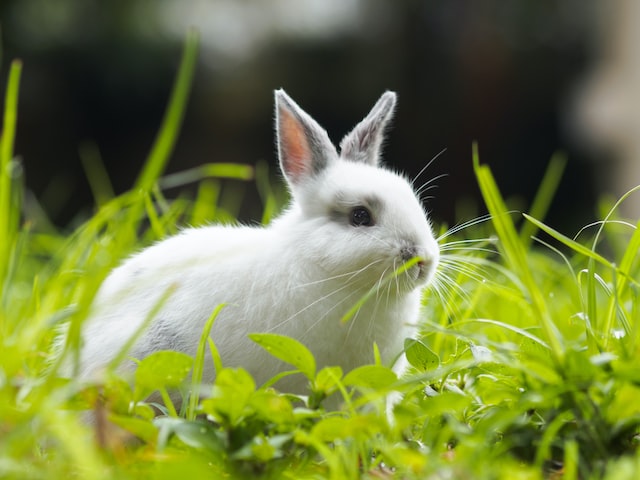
(364, 142)
(304, 147)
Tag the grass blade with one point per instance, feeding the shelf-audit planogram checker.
(198, 366)
(214, 170)
(572, 244)
(9, 212)
(96, 172)
(168, 134)
(544, 196)
(515, 252)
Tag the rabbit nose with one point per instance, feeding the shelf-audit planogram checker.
(409, 252)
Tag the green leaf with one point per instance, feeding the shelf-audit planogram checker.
(231, 394)
(327, 380)
(195, 434)
(288, 350)
(371, 377)
(117, 393)
(141, 428)
(161, 370)
(447, 402)
(263, 448)
(331, 428)
(272, 408)
(401, 454)
(326, 383)
(420, 356)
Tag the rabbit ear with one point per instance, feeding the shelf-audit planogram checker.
(304, 147)
(364, 142)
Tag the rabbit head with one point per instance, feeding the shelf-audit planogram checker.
(356, 219)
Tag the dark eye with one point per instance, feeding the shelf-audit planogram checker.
(361, 217)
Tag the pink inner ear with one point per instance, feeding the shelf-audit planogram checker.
(296, 154)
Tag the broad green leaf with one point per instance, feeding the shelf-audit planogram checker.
(232, 391)
(447, 402)
(117, 394)
(196, 434)
(420, 356)
(141, 428)
(543, 372)
(288, 350)
(327, 380)
(400, 454)
(370, 376)
(272, 408)
(263, 448)
(163, 369)
(330, 429)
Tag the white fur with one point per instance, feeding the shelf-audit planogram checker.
(297, 276)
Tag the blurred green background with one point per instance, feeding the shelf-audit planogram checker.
(500, 73)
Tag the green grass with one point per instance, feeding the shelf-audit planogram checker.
(528, 365)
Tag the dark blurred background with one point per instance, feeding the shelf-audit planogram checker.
(501, 73)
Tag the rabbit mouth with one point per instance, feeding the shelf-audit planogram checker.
(422, 270)
(419, 267)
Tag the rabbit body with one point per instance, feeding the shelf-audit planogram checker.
(350, 225)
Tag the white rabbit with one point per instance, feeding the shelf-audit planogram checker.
(350, 225)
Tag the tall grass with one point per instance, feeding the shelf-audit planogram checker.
(527, 366)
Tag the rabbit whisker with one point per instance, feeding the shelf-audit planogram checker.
(347, 284)
(351, 275)
(306, 307)
(423, 169)
(448, 290)
(428, 184)
(470, 241)
(378, 239)
(464, 225)
(326, 313)
(466, 271)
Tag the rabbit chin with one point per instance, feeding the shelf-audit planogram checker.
(416, 277)
(421, 273)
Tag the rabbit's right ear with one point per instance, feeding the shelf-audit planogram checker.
(364, 142)
(304, 147)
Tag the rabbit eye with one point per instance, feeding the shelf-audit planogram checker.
(361, 217)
